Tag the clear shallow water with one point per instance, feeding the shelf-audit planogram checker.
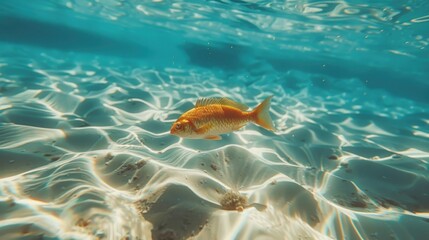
(89, 89)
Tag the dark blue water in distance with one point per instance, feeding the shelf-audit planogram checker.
(90, 88)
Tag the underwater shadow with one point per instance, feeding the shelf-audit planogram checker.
(43, 34)
(397, 83)
(175, 212)
(223, 56)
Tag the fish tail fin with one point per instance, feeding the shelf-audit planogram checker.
(261, 115)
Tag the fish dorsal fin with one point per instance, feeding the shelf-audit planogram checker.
(222, 101)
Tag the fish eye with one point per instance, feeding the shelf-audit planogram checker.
(178, 126)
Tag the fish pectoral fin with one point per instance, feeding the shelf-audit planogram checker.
(203, 129)
(213, 137)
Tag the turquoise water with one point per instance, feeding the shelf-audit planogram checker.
(90, 89)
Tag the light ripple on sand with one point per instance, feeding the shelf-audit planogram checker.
(95, 152)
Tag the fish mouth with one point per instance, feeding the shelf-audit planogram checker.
(172, 132)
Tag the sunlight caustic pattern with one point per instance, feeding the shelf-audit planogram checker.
(92, 157)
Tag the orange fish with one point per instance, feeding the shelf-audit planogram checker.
(214, 116)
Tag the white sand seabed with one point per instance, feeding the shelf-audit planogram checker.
(91, 157)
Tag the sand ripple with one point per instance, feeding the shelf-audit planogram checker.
(91, 157)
